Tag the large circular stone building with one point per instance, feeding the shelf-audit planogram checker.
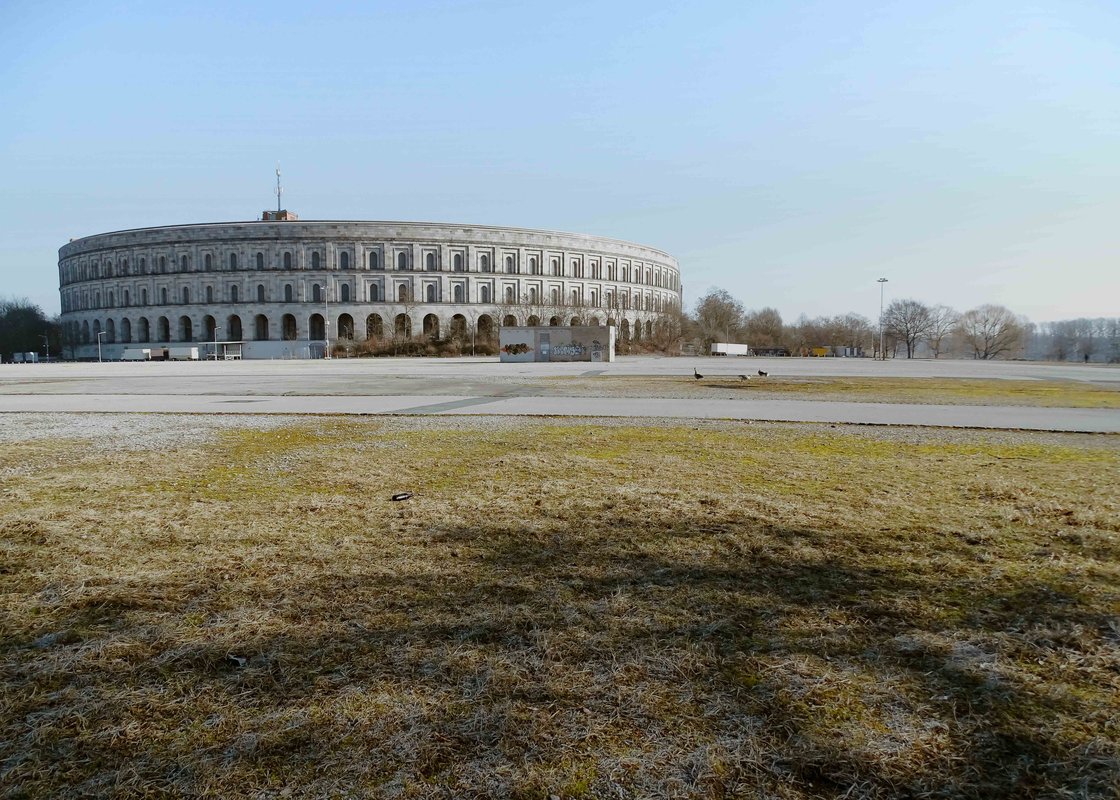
(284, 288)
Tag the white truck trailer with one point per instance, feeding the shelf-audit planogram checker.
(182, 353)
(137, 354)
(728, 349)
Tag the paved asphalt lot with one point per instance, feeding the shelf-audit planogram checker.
(484, 386)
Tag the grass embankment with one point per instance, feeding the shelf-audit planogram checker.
(569, 610)
(946, 391)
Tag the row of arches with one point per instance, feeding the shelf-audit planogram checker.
(597, 297)
(315, 328)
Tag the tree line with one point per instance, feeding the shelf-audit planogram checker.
(909, 327)
(23, 326)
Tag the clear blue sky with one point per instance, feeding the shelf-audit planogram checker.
(791, 153)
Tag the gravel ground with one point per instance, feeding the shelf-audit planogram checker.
(106, 432)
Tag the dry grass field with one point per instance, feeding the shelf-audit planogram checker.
(560, 610)
(719, 380)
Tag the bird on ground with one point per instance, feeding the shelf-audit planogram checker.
(696, 374)
(762, 374)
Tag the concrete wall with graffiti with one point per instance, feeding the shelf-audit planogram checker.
(593, 343)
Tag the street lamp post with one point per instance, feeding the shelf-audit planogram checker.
(326, 325)
(882, 284)
(46, 347)
(99, 335)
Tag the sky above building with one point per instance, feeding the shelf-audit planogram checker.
(791, 153)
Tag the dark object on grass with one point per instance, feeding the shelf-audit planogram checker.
(401, 496)
(763, 374)
(744, 377)
(696, 374)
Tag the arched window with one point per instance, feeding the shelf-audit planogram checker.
(260, 260)
(458, 293)
(430, 262)
(316, 293)
(127, 298)
(186, 294)
(533, 294)
(344, 260)
(344, 292)
(234, 295)
(509, 263)
(402, 260)
(124, 266)
(556, 267)
(457, 262)
(533, 265)
(163, 296)
(484, 294)
(509, 294)
(233, 260)
(110, 298)
(260, 292)
(430, 293)
(374, 294)
(373, 262)
(143, 297)
(183, 264)
(143, 266)
(402, 293)
(315, 260)
(162, 264)
(209, 263)
(555, 297)
(287, 260)
(288, 293)
(209, 294)
(484, 262)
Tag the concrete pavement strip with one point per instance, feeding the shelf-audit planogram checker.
(1086, 420)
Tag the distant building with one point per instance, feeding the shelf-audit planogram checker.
(284, 288)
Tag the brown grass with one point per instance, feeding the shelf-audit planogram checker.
(706, 610)
(721, 381)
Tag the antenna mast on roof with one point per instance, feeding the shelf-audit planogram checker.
(279, 188)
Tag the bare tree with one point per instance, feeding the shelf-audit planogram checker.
(763, 328)
(942, 322)
(908, 321)
(719, 316)
(991, 331)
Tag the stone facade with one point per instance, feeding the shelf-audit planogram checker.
(283, 288)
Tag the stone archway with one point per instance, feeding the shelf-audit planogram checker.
(316, 328)
(345, 327)
(375, 327)
(485, 327)
(459, 327)
(233, 328)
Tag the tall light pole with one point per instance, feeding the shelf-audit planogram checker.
(46, 347)
(99, 335)
(326, 324)
(882, 284)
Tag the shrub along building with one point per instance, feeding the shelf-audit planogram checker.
(285, 288)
